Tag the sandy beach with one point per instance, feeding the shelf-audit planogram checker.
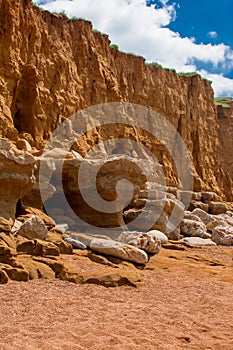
(181, 305)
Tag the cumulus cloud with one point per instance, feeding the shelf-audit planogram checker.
(144, 30)
(222, 86)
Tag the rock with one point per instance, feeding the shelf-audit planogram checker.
(16, 177)
(86, 238)
(119, 250)
(209, 196)
(64, 247)
(23, 145)
(114, 278)
(205, 235)
(26, 213)
(75, 243)
(15, 228)
(199, 241)
(36, 269)
(25, 246)
(191, 216)
(62, 227)
(3, 276)
(187, 196)
(200, 205)
(33, 228)
(5, 225)
(223, 235)
(145, 241)
(205, 217)
(15, 273)
(8, 240)
(226, 218)
(43, 248)
(164, 215)
(217, 208)
(211, 225)
(160, 235)
(192, 228)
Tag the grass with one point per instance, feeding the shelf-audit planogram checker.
(223, 101)
(155, 64)
(188, 74)
(40, 8)
(114, 46)
(99, 32)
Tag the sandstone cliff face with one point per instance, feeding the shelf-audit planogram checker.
(51, 67)
(225, 120)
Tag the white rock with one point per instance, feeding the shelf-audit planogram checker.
(205, 217)
(75, 243)
(142, 240)
(33, 228)
(15, 228)
(119, 250)
(62, 227)
(199, 241)
(192, 228)
(223, 235)
(160, 235)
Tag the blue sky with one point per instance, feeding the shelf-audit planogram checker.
(187, 35)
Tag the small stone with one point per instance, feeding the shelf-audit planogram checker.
(75, 243)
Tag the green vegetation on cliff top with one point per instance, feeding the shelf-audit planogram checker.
(223, 101)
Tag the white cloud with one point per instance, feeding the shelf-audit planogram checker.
(213, 34)
(144, 31)
(222, 86)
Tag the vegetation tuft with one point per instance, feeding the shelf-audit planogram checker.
(114, 46)
(223, 101)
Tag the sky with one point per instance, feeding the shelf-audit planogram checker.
(188, 35)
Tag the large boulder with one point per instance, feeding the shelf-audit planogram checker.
(223, 235)
(192, 228)
(217, 208)
(16, 177)
(205, 217)
(33, 228)
(119, 250)
(143, 240)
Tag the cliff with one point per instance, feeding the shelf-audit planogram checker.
(51, 67)
(225, 120)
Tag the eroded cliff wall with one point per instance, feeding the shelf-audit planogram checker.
(51, 67)
(225, 120)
